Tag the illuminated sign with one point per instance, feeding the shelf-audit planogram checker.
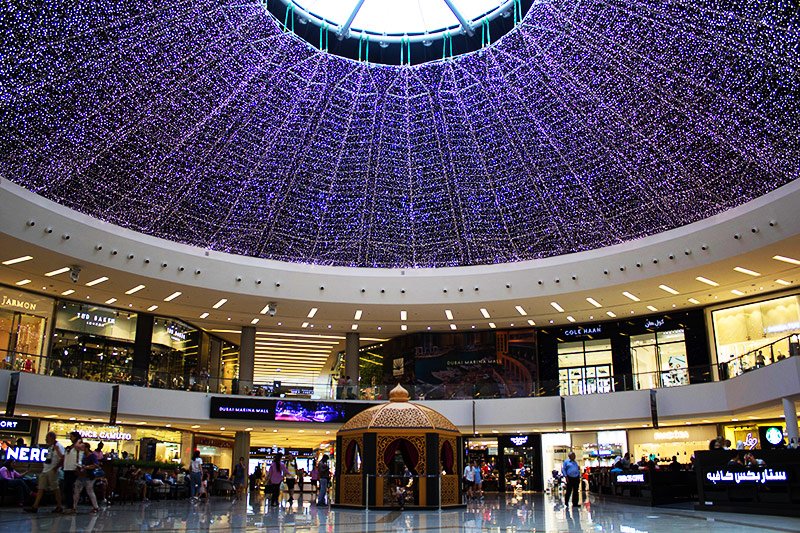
(104, 435)
(630, 478)
(584, 331)
(15, 425)
(774, 435)
(747, 476)
(24, 454)
(284, 410)
(20, 304)
(519, 441)
(98, 321)
(671, 435)
(176, 333)
(652, 324)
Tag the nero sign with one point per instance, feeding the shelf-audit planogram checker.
(24, 454)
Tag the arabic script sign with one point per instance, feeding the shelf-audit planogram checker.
(747, 476)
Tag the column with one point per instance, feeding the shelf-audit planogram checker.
(247, 355)
(790, 411)
(142, 347)
(214, 366)
(352, 343)
(241, 448)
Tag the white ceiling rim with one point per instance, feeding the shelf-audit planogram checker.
(302, 282)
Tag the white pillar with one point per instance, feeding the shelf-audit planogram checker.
(790, 411)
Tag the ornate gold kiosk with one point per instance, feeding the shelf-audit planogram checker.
(379, 444)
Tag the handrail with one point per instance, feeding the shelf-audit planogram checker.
(750, 360)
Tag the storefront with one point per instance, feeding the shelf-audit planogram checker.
(14, 428)
(24, 322)
(215, 450)
(174, 358)
(641, 353)
(93, 343)
(141, 443)
(766, 326)
(757, 435)
(665, 443)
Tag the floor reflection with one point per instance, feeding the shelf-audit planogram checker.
(498, 513)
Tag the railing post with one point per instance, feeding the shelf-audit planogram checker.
(366, 496)
(440, 492)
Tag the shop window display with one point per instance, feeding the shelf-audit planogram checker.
(659, 359)
(585, 367)
(174, 354)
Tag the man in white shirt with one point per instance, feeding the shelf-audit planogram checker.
(48, 479)
(469, 479)
(72, 458)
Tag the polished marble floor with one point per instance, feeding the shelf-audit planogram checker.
(498, 513)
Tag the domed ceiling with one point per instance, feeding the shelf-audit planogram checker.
(591, 124)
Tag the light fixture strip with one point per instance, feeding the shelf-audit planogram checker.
(747, 271)
(134, 289)
(220, 303)
(557, 307)
(172, 296)
(97, 281)
(485, 313)
(707, 281)
(631, 296)
(19, 260)
(668, 289)
(594, 302)
(783, 258)
(56, 272)
(204, 315)
(358, 315)
(449, 314)
(403, 315)
(521, 310)
(312, 312)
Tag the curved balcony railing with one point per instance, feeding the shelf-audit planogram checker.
(479, 389)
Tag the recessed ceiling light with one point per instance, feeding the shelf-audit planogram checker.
(111, 301)
(449, 314)
(485, 313)
(358, 314)
(248, 429)
(557, 307)
(694, 301)
(734, 419)
(778, 257)
(611, 314)
(453, 326)
(51, 416)
(531, 323)
(72, 418)
(520, 310)
(630, 296)
(652, 308)
(492, 325)
(254, 321)
(195, 426)
(312, 312)
(707, 281)
(23, 282)
(56, 272)
(141, 423)
(168, 425)
(274, 430)
(570, 318)
(737, 292)
(97, 281)
(172, 296)
(24, 414)
(20, 260)
(668, 289)
(222, 428)
(152, 308)
(219, 303)
(747, 271)
(403, 315)
(783, 282)
(135, 289)
(593, 302)
(68, 292)
(403, 327)
(354, 327)
(204, 315)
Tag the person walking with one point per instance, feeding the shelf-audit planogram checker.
(275, 475)
(195, 475)
(324, 472)
(291, 478)
(239, 478)
(48, 479)
(572, 472)
(72, 457)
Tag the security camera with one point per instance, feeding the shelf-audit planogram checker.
(74, 273)
(272, 308)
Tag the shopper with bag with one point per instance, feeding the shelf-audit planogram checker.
(277, 471)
